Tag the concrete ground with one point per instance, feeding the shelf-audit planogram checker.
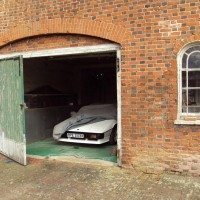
(52, 179)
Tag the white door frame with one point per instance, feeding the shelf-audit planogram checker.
(86, 50)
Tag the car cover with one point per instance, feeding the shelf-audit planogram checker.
(86, 115)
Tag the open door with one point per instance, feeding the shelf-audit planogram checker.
(12, 128)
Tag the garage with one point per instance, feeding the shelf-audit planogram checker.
(57, 83)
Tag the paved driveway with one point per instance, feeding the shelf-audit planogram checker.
(50, 179)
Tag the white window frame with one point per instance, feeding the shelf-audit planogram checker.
(185, 118)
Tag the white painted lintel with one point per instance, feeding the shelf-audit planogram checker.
(65, 51)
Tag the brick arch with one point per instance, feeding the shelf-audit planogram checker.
(180, 43)
(99, 29)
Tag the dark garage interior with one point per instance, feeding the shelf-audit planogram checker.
(55, 86)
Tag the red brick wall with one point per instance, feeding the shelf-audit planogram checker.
(51, 42)
(151, 33)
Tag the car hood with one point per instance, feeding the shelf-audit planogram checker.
(97, 127)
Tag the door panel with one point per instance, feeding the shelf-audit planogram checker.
(12, 128)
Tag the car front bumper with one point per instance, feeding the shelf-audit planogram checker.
(85, 141)
(105, 138)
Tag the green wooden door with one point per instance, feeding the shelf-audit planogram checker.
(12, 128)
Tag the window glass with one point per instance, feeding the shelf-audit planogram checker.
(194, 60)
(194, 48)
(184, 97)
(193, 109)
(183, 79)
(193, 101)
(193, 79)
(184, 60)
(193, 97)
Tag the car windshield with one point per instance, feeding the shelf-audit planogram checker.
(99, 110)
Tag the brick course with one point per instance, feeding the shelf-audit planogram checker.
(151, 33)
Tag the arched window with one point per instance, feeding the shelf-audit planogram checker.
(189, 80)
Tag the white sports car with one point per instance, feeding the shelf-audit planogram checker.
(93, 124)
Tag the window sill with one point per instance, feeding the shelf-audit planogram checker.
(187, 122)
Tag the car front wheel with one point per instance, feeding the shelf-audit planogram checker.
(113, 136)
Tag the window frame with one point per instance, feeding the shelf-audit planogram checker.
(185, 118)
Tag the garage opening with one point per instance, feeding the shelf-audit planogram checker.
(55, 87)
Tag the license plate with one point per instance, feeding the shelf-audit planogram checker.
(75, 135)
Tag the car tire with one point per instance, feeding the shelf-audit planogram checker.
(113, 136)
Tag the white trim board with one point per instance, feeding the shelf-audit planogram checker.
(65, 51)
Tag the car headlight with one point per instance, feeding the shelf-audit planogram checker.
(95, 136)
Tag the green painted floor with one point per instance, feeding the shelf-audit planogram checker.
(50, 147)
